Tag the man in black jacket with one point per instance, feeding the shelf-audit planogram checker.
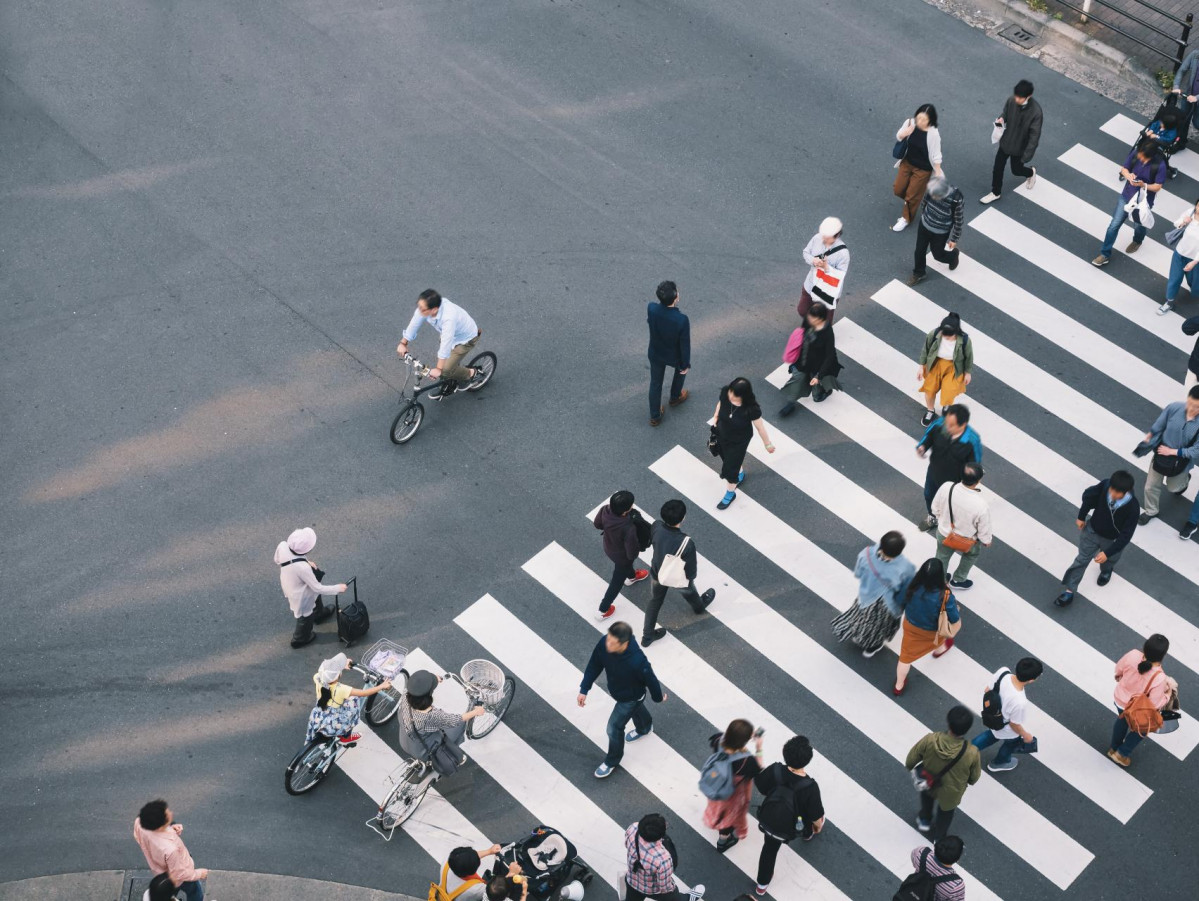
(1021, 121)
(667, 538)
(669, 345)
(791, 805)
(615, 520)
(950, 443)
(1113, 510)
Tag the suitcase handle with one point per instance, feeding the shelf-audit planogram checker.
(337, 598)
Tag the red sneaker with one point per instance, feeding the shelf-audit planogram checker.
(349, 739)
(602, 615)
(638, 575)
(941, 651)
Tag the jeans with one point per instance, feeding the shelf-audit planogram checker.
(942, 820)
(657, 373)
(621, 713)
(965, 564)
(1007, 746)
(933, 242)
(1174, 282)
(931, 484)
(1018, 169)
(658, 594)
(194, 891)
(1193, 516)
(1113, 228)
(1090, 543)
(1124, 740)
(620, 572)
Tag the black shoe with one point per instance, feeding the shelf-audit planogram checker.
(1104, 578)
(647, 640)
(961, 584)
(914, 279)
(1144, 518)
(927, 419)
(725, 842)
(1065, 599)
(953, 264)
(1188, 531)
(788, 408)
(300, 642)
(323, 613)
(707, 597)
(819, 395)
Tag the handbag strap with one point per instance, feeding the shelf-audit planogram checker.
(293, 560)
(1149, 685)
(953, 762)
(952, 527)
(870, 563)
(830, 251)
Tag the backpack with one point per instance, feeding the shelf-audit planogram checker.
(644, 536)
(992, 712)
(778, 813)
(438, 891)
(1140, 714)
(352, 620)
(922, 885)
(716, 780)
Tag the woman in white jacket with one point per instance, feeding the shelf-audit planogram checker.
(1182, 264)
(921, 159)
(300, 579)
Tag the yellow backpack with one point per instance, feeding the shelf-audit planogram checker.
(439, 892)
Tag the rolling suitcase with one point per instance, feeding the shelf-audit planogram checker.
(352, 620)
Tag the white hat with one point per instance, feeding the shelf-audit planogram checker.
(831, 227)
(331, 669)
(301, 541)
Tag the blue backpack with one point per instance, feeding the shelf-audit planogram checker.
(716, 776)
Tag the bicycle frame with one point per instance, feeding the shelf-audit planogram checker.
(421, 371)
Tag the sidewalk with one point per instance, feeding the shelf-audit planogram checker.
(1152, 61)
(223, 885)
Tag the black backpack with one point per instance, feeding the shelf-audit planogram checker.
(922, 885)
(992, 712)
(644, 534)
(352, 620)
(778, 813)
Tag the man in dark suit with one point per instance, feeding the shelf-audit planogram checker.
(669, 345)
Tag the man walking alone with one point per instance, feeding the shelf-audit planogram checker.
(940, 227)
(615, 520)
(1021, 123)
(669, 345)
(671, 541)
(952, 764)
(1174, 439)
(1102, 534)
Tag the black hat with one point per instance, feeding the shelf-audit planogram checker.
(953, 321)
(421, 683)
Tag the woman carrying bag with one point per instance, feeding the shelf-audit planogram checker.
(737, 416)
(1142, 690)
(730, 816)
(882, 572)
(918, 154)
(1184, 238)
(930, 617)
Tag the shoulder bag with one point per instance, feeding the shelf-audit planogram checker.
(829, 281)
(924, 779)
(946, 629)
(1172, 466)
(955, 540)
(673, 571)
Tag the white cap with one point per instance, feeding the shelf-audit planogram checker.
(301, 541)
(830, 227)
(331, 669)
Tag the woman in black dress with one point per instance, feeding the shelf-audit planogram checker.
(737, 415)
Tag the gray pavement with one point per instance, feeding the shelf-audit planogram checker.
(216, 220)
(119, 885)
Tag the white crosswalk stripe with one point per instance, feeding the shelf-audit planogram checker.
(1127, 130)
(1101, 169)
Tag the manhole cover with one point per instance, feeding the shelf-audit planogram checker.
(1019, 35)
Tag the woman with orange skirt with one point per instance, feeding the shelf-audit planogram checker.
(923, 601)
(729, 817)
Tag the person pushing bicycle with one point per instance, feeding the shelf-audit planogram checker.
(459, 335)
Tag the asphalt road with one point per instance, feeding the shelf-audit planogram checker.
(216, 218)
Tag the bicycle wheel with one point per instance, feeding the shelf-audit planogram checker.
(483, 724)
(405, 797)
(407, 421)
(486, 362)
(309, 767)
(382, 706)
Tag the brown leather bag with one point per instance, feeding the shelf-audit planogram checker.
(956, 541)
(1141, 714)
(946, 629)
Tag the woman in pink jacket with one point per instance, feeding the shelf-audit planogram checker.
(1137, 673)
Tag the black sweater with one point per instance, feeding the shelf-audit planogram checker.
(1120, 526)
(818, 356)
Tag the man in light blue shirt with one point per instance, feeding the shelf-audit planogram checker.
(459, 335)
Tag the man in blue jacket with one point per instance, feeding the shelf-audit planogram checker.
(669, 345)
(630, 677)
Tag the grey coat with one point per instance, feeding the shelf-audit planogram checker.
(1186, 73)
(1022, 130)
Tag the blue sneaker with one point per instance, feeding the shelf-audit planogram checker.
(741, 477)
(603, 771)
(729, 497)
(633, 734)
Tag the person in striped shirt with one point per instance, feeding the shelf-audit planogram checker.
(940, 227)
(945, 853)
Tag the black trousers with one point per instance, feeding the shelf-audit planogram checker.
(770, 853)
(933, 242)
(620, 572)
(942, 820)
(657, 595)
(1018, 169)
(304, 624)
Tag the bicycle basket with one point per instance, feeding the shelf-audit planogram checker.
(385, 657)
(486, 678)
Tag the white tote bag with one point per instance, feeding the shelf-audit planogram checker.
(673, 571)
(1138, 208)
(997, 133)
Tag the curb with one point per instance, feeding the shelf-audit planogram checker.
(222, 885)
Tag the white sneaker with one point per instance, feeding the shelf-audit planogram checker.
(1031, 181)
(1165, 308)
(900, 224)
(696, 893)
(990, 198)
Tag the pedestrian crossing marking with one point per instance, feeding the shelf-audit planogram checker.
(1099, 168)
(655, 764)
(1128, 130)
(857, 813)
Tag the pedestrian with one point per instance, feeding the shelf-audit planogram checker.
(1020, 131)
(730, 816)
(1183, 261)
(160, 889)
(790, 807)
(737, 415)
(1012, 708)
(1139, 673)
(651, 860)
(1174, 440)
(161, 841)
(816, 370)
(940, 227)
(947, 765)
(460, 879)
(950, 443)
(630, 678)
(946, 366)
(1145, 168)
(669, 345)
(828, 261)
(920, 142)
(669, 540)
(1106, 520)
(962, 528)
(938, 862)
(882, 572)
(1186, 84)
(616, 520)
(459, 335)
(300, 579)
(924, 600)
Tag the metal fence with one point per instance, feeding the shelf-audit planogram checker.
(1163, 33)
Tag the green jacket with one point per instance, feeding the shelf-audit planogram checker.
(963, 352)
(935, 751)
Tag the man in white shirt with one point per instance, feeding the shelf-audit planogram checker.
(1014, 706)
(970, 518)
(459, 335)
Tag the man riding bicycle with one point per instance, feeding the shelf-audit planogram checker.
(459, 335)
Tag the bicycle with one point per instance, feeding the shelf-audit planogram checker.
(486, 686)
(412, 411)
(316, 758)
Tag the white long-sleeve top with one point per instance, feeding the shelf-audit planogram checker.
(934, 141)
(971, 514)
(299, 582)
(838, 260)
(1188, 244)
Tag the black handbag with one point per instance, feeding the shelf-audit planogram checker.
(1173, 466)
(444, 756)
(714, 442)
(900, 150)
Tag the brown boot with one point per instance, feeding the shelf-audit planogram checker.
(683, 395)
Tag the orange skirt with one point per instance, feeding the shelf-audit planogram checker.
(916, 643)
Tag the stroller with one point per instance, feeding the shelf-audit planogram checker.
(549, 862)
(1169, 128)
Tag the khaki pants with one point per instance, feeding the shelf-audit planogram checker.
(453, 367)
(1153, 488)
(909, 186)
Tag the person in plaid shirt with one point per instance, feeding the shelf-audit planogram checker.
(651, 860)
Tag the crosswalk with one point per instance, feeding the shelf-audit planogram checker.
(1030, 836)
